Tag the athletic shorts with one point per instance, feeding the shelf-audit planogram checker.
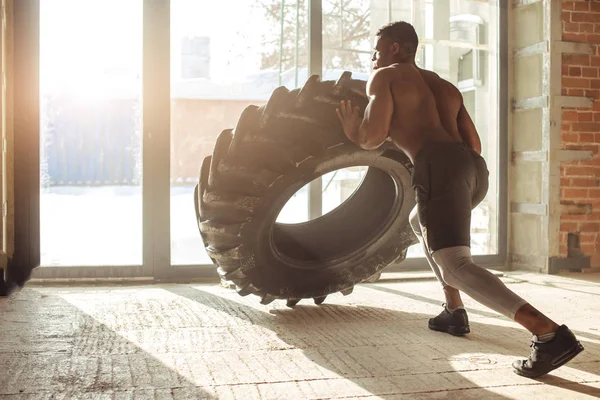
(450, 179)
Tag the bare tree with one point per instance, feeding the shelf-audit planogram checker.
(346, 31)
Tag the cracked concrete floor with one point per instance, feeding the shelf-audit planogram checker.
(192, 341)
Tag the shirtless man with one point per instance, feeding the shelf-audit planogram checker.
(425, 117)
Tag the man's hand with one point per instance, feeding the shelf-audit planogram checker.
(372, 130)
(350, 119)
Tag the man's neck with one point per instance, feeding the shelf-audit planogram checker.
(407, 62)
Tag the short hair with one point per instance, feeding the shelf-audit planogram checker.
(403, 33)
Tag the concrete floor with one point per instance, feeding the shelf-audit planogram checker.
(191, 341)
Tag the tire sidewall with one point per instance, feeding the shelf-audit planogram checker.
(380, 252)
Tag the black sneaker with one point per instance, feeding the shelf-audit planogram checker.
(550, 355)
(453, 322)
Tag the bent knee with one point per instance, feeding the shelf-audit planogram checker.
(414, 222)
(452, 261)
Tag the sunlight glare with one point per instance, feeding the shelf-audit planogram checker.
(88, 50)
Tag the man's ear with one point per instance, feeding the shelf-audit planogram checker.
(395, 48)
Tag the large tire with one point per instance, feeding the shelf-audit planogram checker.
(276, 150)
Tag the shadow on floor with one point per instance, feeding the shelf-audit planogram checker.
(471, 311)
(51, 349)
(377, 347)
(580, 280)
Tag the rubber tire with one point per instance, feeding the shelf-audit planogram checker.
(276, 150)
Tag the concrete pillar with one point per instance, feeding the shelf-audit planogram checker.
(489, 101)
(7, 100)
(535, 49)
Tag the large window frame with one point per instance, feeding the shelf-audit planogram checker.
(156, 144)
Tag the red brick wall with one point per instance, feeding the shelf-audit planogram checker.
(580, 181)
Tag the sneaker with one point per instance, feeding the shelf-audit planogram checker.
(546, 356)
(453, 322)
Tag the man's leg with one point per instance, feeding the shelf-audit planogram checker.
(453, 319)
(452, 182)
(453, 299)
(469, 276)
(417, 229)
(553, 345)
(459, 271)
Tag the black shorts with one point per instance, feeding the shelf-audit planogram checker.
(449, 179)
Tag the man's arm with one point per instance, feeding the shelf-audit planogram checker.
(377, 119)
(467, 130)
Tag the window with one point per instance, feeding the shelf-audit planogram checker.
(458, 40)
(100, 172)
(224, 69)
(90, 130)
(195, 57)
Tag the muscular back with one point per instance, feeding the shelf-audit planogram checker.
(448, 101)
(426, 109)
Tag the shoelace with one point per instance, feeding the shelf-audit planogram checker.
(534, 347)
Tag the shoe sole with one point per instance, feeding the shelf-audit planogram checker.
(453, 330)
(565, 358)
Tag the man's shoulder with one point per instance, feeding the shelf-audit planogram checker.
(394, 72)
(385, 72)
(380, 78)
(444, 82)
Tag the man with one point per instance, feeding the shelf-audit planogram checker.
(425, 117)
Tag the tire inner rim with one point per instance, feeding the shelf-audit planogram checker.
(346, 230)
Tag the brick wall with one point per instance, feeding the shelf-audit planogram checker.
(580, 181)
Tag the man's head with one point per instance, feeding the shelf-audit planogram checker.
(396, 42)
